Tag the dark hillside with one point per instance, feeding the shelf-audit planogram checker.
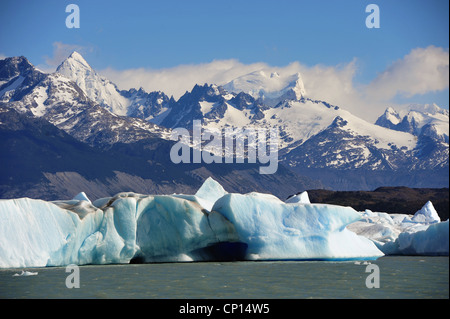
(403, 200)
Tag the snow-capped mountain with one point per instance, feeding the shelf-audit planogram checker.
(428, 119)
(389, 119)
(361, 144)
(261, 100)
(430, 125)
(56, 140)
(63, 103)
(97, 88)
(215, 107)
(310, 130)
(152, 107)
(133, 103)
(270, 88)
(17, 77)
(340, 145)
(313, 134)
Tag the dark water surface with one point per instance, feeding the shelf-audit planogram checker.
(399, 277)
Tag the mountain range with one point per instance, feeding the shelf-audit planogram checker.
(123, 135)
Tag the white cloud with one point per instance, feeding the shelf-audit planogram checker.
(422, 71)
(177, 80)
(333, 84)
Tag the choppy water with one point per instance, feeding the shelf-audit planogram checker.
(399, 277)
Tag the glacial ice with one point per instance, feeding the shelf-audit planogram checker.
(276, 230)
(427, 214)
(25, 274)
(400, 234)
(299, 198)
(82, 196)
(210, 192)
(35, 233)
(210, 225)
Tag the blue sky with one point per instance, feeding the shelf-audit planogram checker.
(161, 35)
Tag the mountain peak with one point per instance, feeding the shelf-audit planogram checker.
(432, 109)
(389, 119)
(96, 87)
(299, 87)
(75, 61)
(271, 87)
(77, 56)
(11, 67)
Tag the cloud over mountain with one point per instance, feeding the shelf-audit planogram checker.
(421, 71)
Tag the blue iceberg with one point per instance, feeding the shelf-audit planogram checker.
(274, 230)
(210, 225)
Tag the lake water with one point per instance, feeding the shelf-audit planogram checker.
(399, 277)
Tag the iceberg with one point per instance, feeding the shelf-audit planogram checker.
(35, 233)
(400, 234)
(25, 274)
(207, 194)
(274, 230)
(427, 214)
(210, 225)
(210, 192)
(433, 240)
(299, 198)
(176, 229)
(82, 196)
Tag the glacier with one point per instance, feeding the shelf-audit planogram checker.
(209, 225)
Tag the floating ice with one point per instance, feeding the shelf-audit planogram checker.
(82, 196)
(299, 198)
(210, 192)
(206, 195)
(401, 234)
(32, 230)
(433, 240)
(276, 230)
(427, 214)
(176, 229)
(35, 233)
(25, 274)
(210, 225)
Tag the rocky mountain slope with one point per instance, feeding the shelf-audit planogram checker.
(316, 139)
(56, 142)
